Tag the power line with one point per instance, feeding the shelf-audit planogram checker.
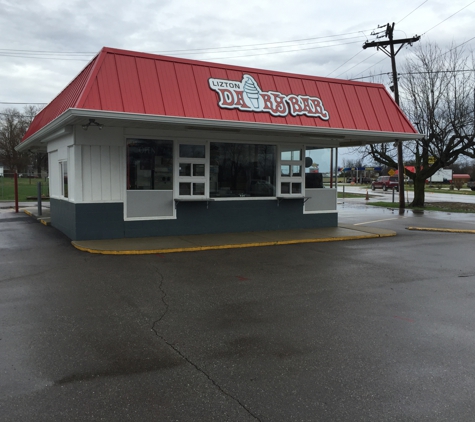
(357, 64)
(415, 73)
(40, 54)
(435, 26)
(409, 14)
(286, 51)
(242, 46)
(387, 73)
(351, 58)
(370, 76)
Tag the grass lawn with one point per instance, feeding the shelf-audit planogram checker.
(433, 206)
(26, 187)
(434, 189)
(351, 195)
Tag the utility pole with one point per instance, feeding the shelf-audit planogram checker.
(382, 45)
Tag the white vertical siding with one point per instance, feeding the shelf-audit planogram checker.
(117, 157)
(101, 173)
(106, 173)
(54, 175)
(101, 164)
(95, 171)
(76, 157)
(86, 173)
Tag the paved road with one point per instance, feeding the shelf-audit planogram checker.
(345, 331)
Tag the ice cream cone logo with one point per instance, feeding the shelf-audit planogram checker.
(246, 95)
(251, 91)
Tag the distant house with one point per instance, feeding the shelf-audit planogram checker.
(146, 145)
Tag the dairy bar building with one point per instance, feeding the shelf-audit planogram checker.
(145, 145)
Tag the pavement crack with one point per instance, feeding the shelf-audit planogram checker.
(186, 358)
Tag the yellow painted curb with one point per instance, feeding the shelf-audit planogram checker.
(428, 229)
(229, 246)
(42, 221)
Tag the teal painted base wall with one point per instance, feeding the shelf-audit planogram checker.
(106, 220)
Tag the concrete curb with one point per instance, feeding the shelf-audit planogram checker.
(367, 234)
(429, 229)
(46, 221)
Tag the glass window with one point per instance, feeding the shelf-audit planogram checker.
(192, 151)
(185, 188)
(198, 170)
(149, 164)
(296, 170)
(185, 169)
(290, 154)
(63, 167)
(242, 170)
(198, 188)
(317, 167)
(285, 187)
(291, 171)
(192, 170)
(285, 170)
(296, 187)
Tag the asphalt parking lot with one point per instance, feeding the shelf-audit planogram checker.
(367, 330)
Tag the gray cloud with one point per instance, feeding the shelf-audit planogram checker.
(166, 25)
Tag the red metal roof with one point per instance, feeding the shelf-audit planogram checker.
(131, 82)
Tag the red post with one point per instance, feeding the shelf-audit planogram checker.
(15, 182)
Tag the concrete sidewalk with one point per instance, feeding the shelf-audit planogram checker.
(193, 243)
(44, 218)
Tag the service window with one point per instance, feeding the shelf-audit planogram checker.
(149, 164)
(291, 171)
(242, 170)
(192, 170)
(317, 164)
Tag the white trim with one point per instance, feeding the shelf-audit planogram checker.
(124, 181)
(244, 198)
(177, 179)
(149, 218)
(61, 178)
(340, 137)
(290, 179)
(90, 202)
(321, 212)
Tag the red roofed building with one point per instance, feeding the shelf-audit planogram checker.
(147, 145)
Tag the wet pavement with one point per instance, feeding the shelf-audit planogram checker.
(367, 330)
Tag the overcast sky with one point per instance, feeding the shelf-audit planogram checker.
(44, 44)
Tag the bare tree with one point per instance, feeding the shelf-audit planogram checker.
(437, 96)
(13, 125)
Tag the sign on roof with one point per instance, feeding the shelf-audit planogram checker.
(246, 95)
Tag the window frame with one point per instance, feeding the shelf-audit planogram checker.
(63, 192)
(291, 179)
(191, 179)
